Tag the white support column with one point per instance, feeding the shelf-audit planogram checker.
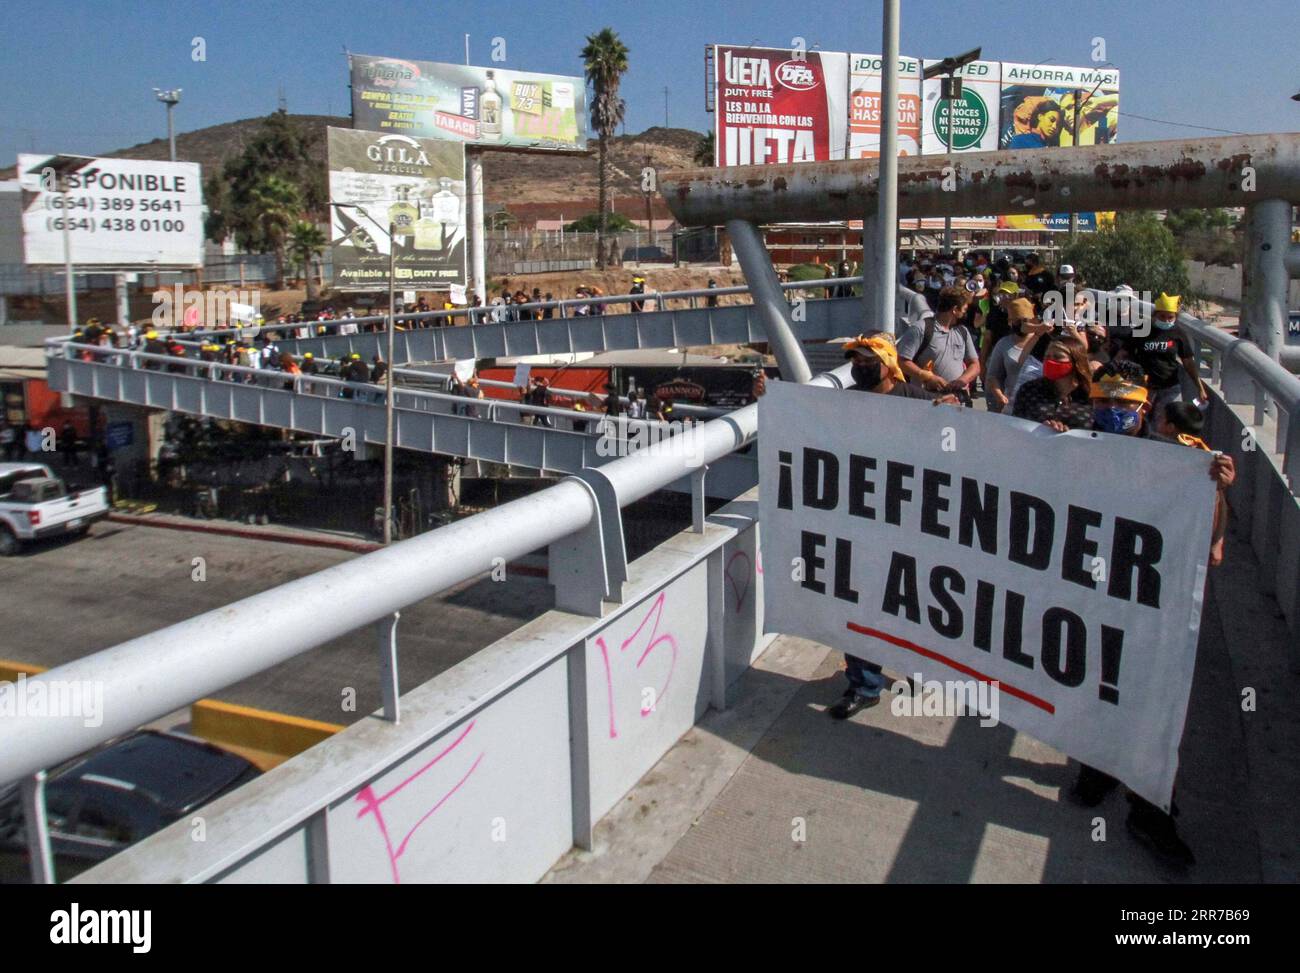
(477, 231)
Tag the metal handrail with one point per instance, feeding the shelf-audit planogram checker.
(484, 311)
(155, 674)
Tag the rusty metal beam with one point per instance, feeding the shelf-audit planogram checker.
(1140, 175)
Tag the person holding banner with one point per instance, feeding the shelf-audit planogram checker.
(875, 369)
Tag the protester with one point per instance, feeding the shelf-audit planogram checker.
(1062, 397)
(940, 353)
(1162, 352)
(638, 287)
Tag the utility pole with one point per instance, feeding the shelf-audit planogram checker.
(388, 385)
(884, 254)
(170, 98)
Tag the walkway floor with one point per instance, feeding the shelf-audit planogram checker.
(886, 798)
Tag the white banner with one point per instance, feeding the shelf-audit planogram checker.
(1067, 569)
(118, 212)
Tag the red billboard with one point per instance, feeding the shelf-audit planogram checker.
(777, 106)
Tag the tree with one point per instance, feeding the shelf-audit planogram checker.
(1137, 249)
(276, 205)
(614, 223)
(1212, 236)
(704, 151)
(604, 61)
(281, 150)
(306, 243)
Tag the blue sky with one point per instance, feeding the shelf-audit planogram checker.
(78, 76)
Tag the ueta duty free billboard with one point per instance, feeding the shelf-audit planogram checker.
(776, 106)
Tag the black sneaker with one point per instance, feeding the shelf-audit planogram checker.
(1157, 832)
(851, 702)
(1091, 786)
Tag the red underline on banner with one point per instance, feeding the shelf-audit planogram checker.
(1029, 698)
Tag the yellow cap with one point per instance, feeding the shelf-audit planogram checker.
(1009, 287)
(308, 355)
(883, 348)
(151, 334)
(1117, 387)
(1168, 302)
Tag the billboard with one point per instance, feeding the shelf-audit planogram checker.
(118, 212)
(864, 106)
(478, 106)
(777, 105)
(1045, 106)
(414, 186)
(975, 127)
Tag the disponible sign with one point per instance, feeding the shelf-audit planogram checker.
(969, 546)
(481, 106)
(117, 212)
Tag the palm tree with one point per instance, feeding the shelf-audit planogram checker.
(306, 243)
(704, 151)
(277, 204)
(604, 61)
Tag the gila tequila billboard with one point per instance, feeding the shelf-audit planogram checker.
(491, 107)
(394, 186)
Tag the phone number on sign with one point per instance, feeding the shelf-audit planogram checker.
(115, 204)
(115, 225)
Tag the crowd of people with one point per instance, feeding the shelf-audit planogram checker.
(1044, 353)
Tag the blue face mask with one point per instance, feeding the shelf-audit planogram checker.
(1114, 419)
(1163, 325)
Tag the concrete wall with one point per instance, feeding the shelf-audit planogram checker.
(1224, 283)
(499, 765)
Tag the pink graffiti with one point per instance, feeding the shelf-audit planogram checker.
(759, 558)
(656, 611)
(371, 803)
(740, 593)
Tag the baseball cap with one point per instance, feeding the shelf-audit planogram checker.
(1020, 309)
(1118, 387)
(1067, 268)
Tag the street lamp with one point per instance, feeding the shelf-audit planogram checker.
(950, 92)
(53, 173)
(388, 374)
(170, 98)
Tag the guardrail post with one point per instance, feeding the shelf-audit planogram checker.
(386, 628)
(37, 829)
(697, 498)
(579, 747)
(589, 567)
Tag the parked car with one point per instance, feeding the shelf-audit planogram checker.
(35, 504)
(101, 803)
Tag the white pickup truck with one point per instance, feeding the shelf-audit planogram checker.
(35, 504)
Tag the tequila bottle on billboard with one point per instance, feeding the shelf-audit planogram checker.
(446, 209)
(402, 215)
(489, 109)
(428, 231)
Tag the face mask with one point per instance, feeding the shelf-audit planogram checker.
(1056, 369)
(1115, 419)
(868, 376)
(1163, 325)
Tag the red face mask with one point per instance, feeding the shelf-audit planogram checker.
(1056, 369)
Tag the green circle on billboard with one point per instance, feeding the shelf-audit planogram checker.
(972, 120)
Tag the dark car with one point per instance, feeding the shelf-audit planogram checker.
(646, 255)
(106, 801)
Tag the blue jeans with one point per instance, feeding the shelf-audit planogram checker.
(865, 678)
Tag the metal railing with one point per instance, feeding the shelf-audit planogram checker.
(153, 675)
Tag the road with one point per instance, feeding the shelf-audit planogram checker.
(63, 600)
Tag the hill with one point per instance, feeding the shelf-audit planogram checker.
(509, 177)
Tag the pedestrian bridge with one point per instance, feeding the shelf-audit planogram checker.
(490, 430)
(648, 728)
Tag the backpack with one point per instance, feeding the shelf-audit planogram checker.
(928, 334)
